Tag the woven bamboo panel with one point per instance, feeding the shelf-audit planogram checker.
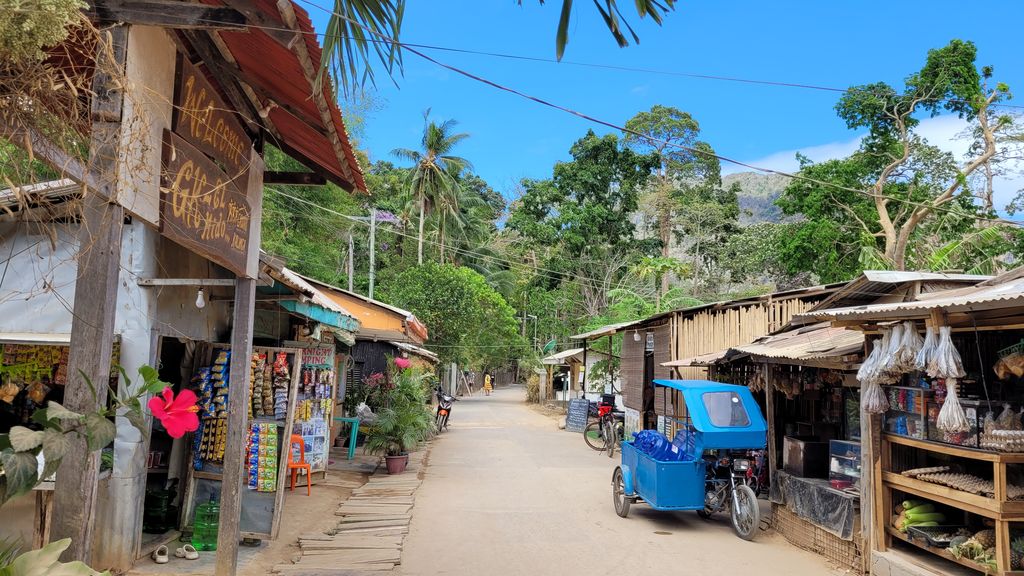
(632, 372)
(803, 534)
(662, 353)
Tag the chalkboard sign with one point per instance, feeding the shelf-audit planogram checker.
(576, 420)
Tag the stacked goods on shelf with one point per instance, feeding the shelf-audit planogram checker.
(281, 378)
(211, 384)
(944, 476)
(916, 513)
(213, 437)
(261, 387)
(980, 549)
(262, 461)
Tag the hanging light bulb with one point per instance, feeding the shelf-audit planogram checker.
(636, 336)
(200, 299)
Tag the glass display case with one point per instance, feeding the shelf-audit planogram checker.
(908, 411)
(975, 410)
(851, 412)
(844, 463)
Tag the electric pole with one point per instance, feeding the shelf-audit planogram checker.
(373, 230)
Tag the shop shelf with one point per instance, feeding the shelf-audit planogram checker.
(942, 552)
(959, 451)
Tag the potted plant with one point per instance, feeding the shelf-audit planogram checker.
(402, 422)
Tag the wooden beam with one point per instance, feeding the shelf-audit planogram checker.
(92, 325)
(167, 14)
(294, 178)
(46, 150)
(211, 58)
(275, 29)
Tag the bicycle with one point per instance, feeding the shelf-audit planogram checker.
(605, 433)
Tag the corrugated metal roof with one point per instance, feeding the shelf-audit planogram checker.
(606, 330)
(984, 296)
(317, 297)
(296, 120)
(818, 341)
(416, 350)
(696, 361)
(574, 353)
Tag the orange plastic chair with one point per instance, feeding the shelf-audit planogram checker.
(294, 466)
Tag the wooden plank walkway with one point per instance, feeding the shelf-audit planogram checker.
(371, 529)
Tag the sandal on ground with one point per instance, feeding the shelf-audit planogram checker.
(188, 552)
(160, 555)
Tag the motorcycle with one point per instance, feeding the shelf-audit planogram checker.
(757, 472)
(444, 408)
(725, 489)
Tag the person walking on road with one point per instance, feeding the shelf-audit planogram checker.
(487, 384)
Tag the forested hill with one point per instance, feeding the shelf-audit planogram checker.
(757, 201)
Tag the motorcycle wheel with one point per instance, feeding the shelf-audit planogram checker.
(619, 498)
(593, 435)
(746, 516)
(439, 423)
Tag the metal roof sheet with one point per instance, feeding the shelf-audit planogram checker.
(701, 360)
(416, 350)
(988, 295)
(574, 353)
(606, 330)
(818, 341)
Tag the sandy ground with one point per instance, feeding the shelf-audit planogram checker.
(507, 493)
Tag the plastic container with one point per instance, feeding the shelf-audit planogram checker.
(204, 534)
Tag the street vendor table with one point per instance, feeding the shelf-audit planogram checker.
(354, 430)
(816, 501)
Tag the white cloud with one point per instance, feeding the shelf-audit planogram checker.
(945, 132)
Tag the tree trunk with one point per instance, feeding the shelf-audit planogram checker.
(664, 226)
(440, 237)
(419, 247)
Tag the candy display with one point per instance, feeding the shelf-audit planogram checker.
(212, 434)
(282, 379)
(314, 404)
(262, 457)
(261, 387)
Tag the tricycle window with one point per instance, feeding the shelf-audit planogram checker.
(725, 409)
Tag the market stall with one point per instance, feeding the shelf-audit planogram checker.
(943, 437)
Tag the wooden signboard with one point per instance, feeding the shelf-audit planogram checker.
(203, 119)
(202, 208)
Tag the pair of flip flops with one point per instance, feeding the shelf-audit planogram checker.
(162, 556)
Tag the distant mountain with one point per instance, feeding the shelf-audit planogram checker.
(757, 200)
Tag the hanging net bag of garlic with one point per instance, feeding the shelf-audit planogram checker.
(945, 363)
(870, 375)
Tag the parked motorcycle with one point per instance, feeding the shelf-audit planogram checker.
(757, 472)
(444, 408)
(725, 490)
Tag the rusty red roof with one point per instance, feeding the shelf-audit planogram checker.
(305, 121)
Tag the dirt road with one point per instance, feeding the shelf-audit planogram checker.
(507, 493)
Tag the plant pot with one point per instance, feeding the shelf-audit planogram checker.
(397, 464)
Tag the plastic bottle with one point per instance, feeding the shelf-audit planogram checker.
(204, 535)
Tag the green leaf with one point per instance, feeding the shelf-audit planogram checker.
(99, 430)
(55, 445)
(46, 562)
(58, 412)
(151, 377)
(137, 420)
(22, 439)
(21, 470)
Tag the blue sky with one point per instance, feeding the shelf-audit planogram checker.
(835, 44)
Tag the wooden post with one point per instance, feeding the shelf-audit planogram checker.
(92, 326)
(769, 409)
(238, 429)
(44, 512)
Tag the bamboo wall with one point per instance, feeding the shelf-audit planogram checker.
(712, 330)
(632, 370)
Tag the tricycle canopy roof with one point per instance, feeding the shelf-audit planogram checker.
(725, 415)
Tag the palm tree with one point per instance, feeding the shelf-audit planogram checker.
(359, 29)
(433, 175)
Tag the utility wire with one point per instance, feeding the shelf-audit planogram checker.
(660, 141)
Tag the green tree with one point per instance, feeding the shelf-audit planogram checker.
(468, 321)
(432, 179)
(909, 181)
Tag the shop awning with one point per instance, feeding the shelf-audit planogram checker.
(378, 321)
(572, 354)
(421, 352)
(697, 361)
(311, 302)
(606, 330)
(811, 342)
(1001, 292)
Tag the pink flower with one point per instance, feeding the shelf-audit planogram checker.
(178, 415)
(402, 363)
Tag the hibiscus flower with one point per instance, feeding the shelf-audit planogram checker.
(178, 415)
